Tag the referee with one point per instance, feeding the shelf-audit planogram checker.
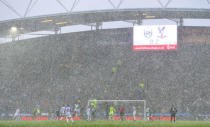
(173, 112)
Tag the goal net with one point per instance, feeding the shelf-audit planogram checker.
(101, 109)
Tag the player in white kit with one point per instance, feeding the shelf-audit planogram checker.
(148, 114)
(62, 112)
(17, 114)
(134, 113)
(76, 110)
(88, 113)
(68, 113)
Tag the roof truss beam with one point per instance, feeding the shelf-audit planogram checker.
(115, 6)
(62, 5)
(162, 3)
(27, 9)
(33, 4)
(6, 3)
(75, 3)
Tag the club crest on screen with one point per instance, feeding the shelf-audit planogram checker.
(148, 33)
(161, 31)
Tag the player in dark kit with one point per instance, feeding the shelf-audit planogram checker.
(173, 112)
(57, 112)
(107, 111)
(122, 112)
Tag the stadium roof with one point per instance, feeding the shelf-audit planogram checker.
(12, 9)
(48, 15)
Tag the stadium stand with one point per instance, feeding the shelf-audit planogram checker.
(61, 69)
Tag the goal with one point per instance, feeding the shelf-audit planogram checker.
(102, 107)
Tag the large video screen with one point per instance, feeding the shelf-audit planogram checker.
(155, 37)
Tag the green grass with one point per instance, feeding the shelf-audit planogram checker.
(103, 124)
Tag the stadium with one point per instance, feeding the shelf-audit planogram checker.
(72, 52)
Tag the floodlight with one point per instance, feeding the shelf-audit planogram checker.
(13, 29)
(61, 23)
(144, 14)
(46, 20)
(149, 17)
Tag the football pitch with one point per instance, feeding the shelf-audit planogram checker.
(104, 124)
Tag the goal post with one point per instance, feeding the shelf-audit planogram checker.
(102, 108)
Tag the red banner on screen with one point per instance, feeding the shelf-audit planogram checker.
(154, 47)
